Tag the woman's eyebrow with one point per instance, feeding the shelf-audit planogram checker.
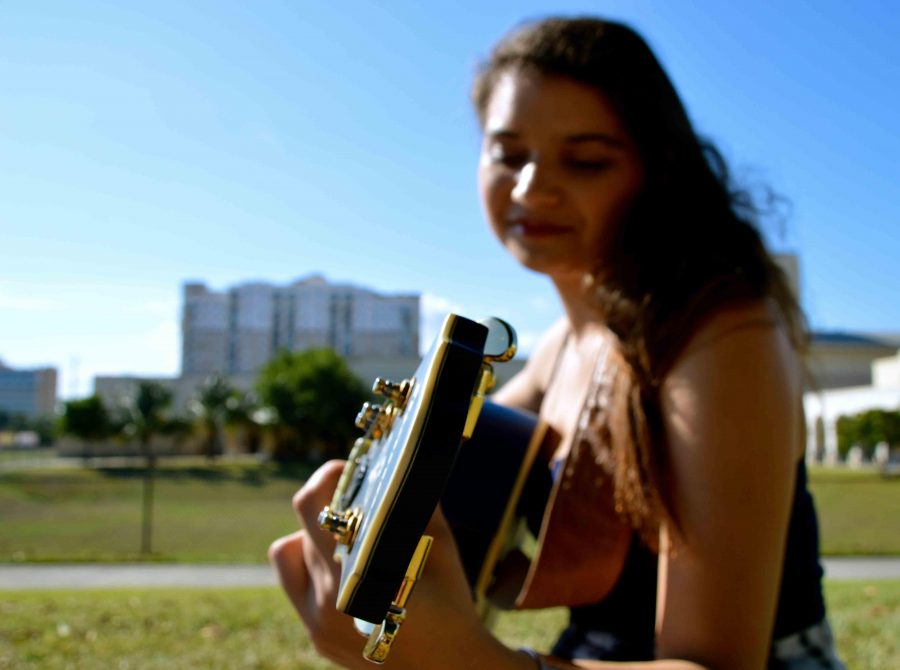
(576, 138)
(602, 138)
(502, 134)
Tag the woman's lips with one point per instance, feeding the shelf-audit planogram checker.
(538, 228)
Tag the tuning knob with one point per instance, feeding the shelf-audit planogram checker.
(501, 341)
(367, 415)
(396, 393)
(343, 524)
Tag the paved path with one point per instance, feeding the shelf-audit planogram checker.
(19, 577)
(854, 567)
(90, 575)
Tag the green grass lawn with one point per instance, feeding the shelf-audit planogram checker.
(220, 513)
(9, 457)
(255, 628)
(230, 513)
(859, 511)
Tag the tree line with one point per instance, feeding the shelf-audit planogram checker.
(303, 404)
(868, 429)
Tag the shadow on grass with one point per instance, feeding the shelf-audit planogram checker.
(249, 475)
(855, 477)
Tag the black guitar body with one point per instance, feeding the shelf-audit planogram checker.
(397, 473)
(487, 484)
(452, 377)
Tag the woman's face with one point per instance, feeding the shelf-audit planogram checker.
(557, 174)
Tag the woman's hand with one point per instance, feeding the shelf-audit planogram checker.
(442, 629)
(309, 575)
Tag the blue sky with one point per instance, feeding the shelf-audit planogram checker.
(146, 144)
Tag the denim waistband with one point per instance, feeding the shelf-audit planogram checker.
(809, 649)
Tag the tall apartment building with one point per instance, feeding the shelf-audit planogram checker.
(31, 393)
(236, 331)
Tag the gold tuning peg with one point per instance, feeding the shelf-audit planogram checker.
(343, 524)
(381, 637)
(396, 393)
(367, 415)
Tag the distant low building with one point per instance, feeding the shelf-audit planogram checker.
(113, 389)
(886, 371)
(879, 389)
(28, 392)
(848, 373)
(842, 360)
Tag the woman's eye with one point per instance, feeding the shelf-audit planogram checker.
(588, 165)
(508, 157)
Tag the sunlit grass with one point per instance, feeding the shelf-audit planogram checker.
(256, 628)
(859, 511)
(865, 616)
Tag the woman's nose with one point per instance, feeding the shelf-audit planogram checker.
(534, 186)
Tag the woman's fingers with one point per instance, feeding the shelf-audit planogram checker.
(308, 580)
(287, 557)
(303, 560)
(441, 610)
(312, 497)
(307, 577)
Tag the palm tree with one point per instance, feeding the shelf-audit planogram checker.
(240, 415)
(209, 407)
(143, 419)
(218, 406)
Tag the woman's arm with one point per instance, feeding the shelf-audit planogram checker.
(730, 408)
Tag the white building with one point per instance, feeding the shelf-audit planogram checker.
(842, 360)
(823, 406)
(236, 331)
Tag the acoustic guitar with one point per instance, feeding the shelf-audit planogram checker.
(495, 498)
(398, 472)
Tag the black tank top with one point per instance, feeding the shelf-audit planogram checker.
(621, 626)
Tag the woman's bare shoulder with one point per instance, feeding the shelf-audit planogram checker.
(748, 331)
(732, 350)
(751, 316)
(738, 382)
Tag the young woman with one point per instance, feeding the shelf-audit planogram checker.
(679, 530)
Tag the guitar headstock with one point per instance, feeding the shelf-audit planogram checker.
(396, 472)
